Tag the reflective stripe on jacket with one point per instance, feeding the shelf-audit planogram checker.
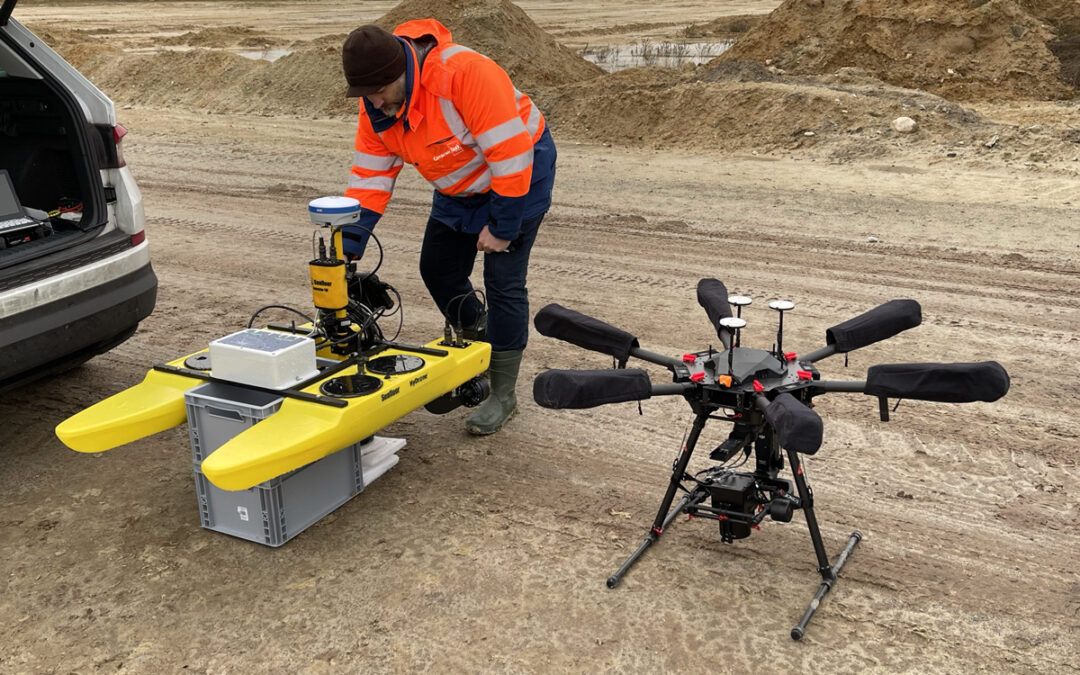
(465, 127)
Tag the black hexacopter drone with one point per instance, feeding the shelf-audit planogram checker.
(767, 395)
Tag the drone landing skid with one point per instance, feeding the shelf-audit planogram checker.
(740, 501)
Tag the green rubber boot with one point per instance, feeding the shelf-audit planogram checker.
(501, 404)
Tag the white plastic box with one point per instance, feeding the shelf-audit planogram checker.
(263, 358)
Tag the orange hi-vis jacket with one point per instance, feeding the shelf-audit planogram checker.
(464, 126)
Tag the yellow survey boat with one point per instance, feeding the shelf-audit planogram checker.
(339, 380)
(319, 416)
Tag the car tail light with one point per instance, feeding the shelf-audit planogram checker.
(118, 137)
(138, 238)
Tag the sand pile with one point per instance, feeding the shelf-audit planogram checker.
(218, 36)
(958, 49)
(503, 31)
(1064, 17)
(309, 80)
(724, 27)
(745, 107)
(306, 82)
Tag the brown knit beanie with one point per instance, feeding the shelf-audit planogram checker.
(372, 59)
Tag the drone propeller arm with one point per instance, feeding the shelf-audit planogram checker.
(880, 323)
(847, 386)
(797, 427)
(593, 334)
(564, 324)
(659, 359)
(944, 382)
(818, 354)
(713, 296)
(576, 389)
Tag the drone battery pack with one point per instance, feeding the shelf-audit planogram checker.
(732, 490)
(263, 358)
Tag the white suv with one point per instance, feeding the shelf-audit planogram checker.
(75, 274)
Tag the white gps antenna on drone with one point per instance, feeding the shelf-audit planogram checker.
(781, 306)
(739, 301)
(732, 324)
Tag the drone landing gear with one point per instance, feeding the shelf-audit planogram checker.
(740, 501)
(829, 573)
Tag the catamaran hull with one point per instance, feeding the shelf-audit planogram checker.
(300, 432)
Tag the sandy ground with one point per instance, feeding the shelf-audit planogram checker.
(491, 554)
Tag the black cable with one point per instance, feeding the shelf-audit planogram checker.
(378, 243)
(474, 293)
(383, 313)
(367, 320)
(745, 457)
(260, 310)
(400, 311)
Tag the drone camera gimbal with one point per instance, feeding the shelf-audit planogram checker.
(767, 395)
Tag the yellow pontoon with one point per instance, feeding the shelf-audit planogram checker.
(316, 418)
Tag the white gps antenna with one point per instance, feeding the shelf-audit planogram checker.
(739, 301)
(781, 306)
(732, 324)
(331, 211)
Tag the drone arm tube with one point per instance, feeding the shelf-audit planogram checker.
(851, 387)
(658, 359)
(817, 355)
(676, 388)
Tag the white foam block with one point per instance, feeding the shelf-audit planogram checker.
(378, 456)
(375, 469)
(380, 446)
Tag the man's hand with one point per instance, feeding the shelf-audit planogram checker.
(489, 243)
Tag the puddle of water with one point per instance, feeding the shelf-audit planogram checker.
(158, 48)
(254, 55)
(265, 54)
(646, 53)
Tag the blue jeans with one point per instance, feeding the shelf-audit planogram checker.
(446, 261)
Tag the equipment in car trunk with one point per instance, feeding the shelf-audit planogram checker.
(16, 224)
(767, 395)
(289, 398)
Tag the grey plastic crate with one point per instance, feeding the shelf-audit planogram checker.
(274, 512)
(217, 411)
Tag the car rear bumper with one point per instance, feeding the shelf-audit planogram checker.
(75, 327)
